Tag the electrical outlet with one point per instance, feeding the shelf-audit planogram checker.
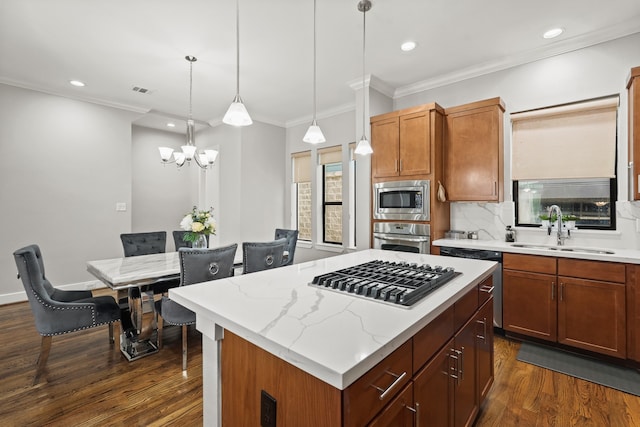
(121, 207)
(267, 410)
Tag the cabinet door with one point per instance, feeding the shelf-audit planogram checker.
(433, 390)
(399, 412)
(415, 147)
(464, 389)
(484, 350)
(529, 304)
(384, 141)
(473, 154)
(591, 315)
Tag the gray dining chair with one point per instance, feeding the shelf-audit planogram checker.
(292, 240)
(258, 256)
(196, 266)
(180, 243)
(134, 244)
(56, 311)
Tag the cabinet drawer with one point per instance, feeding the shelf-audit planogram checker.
(532, 263)
(363, 399)
(464, 308)
(595, 270)
(431, 338)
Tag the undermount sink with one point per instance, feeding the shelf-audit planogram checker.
(563, 249)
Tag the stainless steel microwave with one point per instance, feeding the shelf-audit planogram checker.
(401, 200)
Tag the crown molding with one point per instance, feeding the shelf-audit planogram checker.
(564, 46)
(325, 114)
(91, 100)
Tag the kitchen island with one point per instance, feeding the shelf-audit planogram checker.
(278, 324)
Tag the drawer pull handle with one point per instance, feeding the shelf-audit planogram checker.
(416, 411)
(487, 289)
(398, 379)
(483, 322)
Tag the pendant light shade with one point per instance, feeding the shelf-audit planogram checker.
(314, 134)
(237, 114)
(363, 147)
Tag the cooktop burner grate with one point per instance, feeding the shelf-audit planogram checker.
(397, 283)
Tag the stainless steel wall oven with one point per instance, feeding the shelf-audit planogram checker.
(404, 237)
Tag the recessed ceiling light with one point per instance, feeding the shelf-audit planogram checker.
(408, 46)
(171, 125)
(554, 32)
(76, 83)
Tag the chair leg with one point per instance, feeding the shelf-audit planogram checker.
(160, 324)
(111, 340)
(184, 347)
(45, 347)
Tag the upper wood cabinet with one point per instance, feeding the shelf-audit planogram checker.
(402, 142)
(633, 86)
(474, 151)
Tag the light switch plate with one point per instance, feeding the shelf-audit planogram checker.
(121, 207)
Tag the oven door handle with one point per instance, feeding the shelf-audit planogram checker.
(402, 239)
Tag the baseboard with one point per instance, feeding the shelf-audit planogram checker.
(79, 286)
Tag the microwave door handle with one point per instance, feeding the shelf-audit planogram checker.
(405, 239)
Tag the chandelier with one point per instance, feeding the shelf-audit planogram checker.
(189, 151)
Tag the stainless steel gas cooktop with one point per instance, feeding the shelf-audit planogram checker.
(397, 283)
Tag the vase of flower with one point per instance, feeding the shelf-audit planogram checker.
(200, 242)
(198, 225)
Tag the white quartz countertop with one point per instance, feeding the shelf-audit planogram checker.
(335, 337)
(618, 255)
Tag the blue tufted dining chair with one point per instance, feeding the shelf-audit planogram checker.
(57, 311)
(196, 266)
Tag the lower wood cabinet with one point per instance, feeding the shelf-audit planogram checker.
(579, 303)
(439, 377)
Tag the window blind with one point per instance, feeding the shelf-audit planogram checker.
(330, 155)
(301, 170)
(569, 141)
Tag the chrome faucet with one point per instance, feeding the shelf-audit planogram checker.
(561, 236)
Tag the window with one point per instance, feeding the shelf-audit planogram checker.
(566, 156)
(330, 160)
(301, 194)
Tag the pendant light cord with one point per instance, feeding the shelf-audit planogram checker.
(190, 86)
(238, 47)
(364, 37)
(314, 61)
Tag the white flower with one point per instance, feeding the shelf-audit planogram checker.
(186, 222)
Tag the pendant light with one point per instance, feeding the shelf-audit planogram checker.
(189, 151)
(237, 114)
(363, 146)
(314, 134)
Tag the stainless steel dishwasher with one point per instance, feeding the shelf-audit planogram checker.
(497, 274)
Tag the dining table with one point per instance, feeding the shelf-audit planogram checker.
(134, 279)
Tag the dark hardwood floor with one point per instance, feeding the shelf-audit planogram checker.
(89, 383)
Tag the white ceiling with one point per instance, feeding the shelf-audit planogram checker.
(115, 45)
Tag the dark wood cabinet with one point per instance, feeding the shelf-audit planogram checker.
(474, 151)
(433, 388)
(464, 389)
(529, 305)
(484, 350)
(579, 303)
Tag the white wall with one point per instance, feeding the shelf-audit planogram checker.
(161, 194)
(66, 164)
(250, 182)
(587, 73)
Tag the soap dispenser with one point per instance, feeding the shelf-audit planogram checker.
(510, 234)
